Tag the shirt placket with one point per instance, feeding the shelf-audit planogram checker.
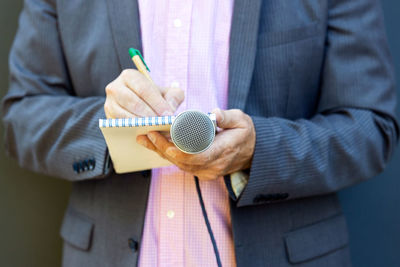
(177, 46)
(172, 185)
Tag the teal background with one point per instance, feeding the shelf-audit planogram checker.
(373, 207)
(32, 205)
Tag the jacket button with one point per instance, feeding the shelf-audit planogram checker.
(85, 165)
(133, 245)
(75, 166)
(92, 164)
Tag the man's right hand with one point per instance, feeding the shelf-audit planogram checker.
(132, 95)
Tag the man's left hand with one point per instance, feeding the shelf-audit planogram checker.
(231, 151)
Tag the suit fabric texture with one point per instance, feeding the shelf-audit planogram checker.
(315, 76)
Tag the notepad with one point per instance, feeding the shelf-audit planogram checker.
(126, 154)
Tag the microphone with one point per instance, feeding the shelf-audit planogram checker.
(193, 131)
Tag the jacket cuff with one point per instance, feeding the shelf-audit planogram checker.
(92, 160)
(255, 192)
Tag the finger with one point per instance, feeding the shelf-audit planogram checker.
(144, 141)
(114, 111)
(201, 159)
(185, 167)
(184, 158)
(132, 103)
(223, 143)
(147, 91)
(228, 119)
(170, 151)
(174, 96)
(159, 141)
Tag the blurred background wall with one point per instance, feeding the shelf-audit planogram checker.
(32, 205)
(373, 207)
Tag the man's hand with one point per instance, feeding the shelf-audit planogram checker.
(231, 151)
(132, 95)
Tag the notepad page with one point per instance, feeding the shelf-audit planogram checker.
(126, 154)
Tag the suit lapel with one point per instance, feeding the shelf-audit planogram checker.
(125, 26)
(242, 51)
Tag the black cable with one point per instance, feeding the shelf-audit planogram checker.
(210, 232)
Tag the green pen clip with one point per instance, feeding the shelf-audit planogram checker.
(134, 52)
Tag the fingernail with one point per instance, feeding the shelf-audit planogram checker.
(151, 137)
(143, 143)
(173, 103)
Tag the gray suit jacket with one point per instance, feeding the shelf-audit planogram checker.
(316, 77)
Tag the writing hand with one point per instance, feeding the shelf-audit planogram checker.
(132, 95)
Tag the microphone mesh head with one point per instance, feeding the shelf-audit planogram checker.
(192, 131)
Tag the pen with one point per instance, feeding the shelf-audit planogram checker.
(139, 63)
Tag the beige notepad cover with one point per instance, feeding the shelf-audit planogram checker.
(126, 154)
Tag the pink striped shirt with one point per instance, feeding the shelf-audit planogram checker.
(186, 44)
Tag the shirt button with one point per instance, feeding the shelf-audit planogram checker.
(170, 214)
(177, 23)
(175, 84)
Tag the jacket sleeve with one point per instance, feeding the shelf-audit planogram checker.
(49, 129)
(353, 134)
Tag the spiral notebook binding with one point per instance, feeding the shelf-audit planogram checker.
(136, 122)
(140, 122)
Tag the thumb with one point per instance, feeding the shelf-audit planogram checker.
(228, 119)
(174, 96)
